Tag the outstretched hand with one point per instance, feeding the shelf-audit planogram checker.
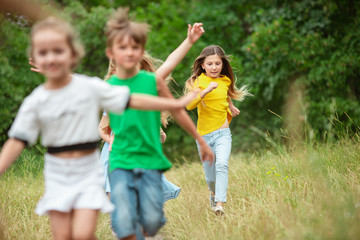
(195, 32)
(206, 153)
(35, 67)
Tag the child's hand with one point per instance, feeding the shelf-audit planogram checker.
(35, 66)
(162, 136)
(234, 110)
(206, 153)
(195, 32)
(211, 87)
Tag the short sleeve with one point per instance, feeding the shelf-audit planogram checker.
(112, 98)
(26, 126)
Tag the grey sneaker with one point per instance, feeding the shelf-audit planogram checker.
(219, 210)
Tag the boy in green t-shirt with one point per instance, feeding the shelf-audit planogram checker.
(136, 160)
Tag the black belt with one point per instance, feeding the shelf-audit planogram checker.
(74, 147)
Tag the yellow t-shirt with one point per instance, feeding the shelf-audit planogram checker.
(213, 109)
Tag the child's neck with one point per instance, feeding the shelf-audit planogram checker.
(53, 84)
(127, 73)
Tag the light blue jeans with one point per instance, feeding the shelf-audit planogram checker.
(104, 156)
(216, 175)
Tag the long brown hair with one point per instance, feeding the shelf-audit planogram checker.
(197, 70)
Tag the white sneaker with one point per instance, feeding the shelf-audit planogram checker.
(219, 210)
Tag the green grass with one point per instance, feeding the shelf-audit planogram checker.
(308, 192)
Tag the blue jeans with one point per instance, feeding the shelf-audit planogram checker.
(138, 198)
(216, 175)
(170, 190)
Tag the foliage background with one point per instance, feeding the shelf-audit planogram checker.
(283, 50)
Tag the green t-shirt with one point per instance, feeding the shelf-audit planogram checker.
(137, 133)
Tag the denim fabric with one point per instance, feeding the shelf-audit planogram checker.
(138, 198)
(216, 175)
(104, 157)
(170, 190)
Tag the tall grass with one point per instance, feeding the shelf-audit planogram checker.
(309, 192)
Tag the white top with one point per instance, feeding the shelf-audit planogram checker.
(69, 115)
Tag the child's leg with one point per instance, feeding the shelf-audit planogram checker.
(222, 149)
(210, 175)
(151, 201)
(170, 190)
(124, 197)
(84, 223)
(60, 225)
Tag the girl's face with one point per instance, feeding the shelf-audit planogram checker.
(52, 54)
(126, 53)
(212, 66)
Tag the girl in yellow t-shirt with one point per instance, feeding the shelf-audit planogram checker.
(213, 75)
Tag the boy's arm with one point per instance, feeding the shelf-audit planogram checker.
(186, 123)
(148, 102)
(9, 152)
(194, 33)
(193, 104)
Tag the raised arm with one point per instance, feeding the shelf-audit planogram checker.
(193, 34)
(9, 152)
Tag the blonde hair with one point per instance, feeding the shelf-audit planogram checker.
(197, 70)
(65, 28)
(120, 25)
(150, 64)
(111, 70)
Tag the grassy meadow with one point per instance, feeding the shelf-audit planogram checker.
(308, 192)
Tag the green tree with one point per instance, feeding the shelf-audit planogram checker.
(311, 46)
